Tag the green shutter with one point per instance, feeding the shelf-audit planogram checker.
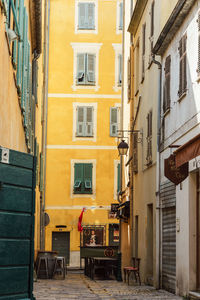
(6, 8)
(78, 178)
(20, 49)
(37, 163)
(89, 121)
(118, 178)
(113, 121)
(121, 15)
(15, 43)
(41, 173)
(81, 68)
(91, 18)
(88, 178)
(91, 68)
(25, 60)
(35, 79)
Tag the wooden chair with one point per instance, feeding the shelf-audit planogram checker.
(135, 269)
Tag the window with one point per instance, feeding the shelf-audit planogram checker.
(151, 31)
(85, 69)
(118, 66)
(86, 15)
(86, 66)
(182, 66)
(83, 178)
(149, 139)
(113, 234)
(84, 121)
(198, 65)
(121, 16)
(135, 152)
(143, 50)
(166, 92)
(93, 236)
(137, 69)
(114, 121)
(119, 20)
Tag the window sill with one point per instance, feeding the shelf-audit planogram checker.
(86, 31)
(182, 96)
(85, 87)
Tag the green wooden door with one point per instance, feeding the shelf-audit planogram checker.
(17, 207)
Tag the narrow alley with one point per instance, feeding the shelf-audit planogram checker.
(78, 286)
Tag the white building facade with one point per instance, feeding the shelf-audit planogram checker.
(179, 200)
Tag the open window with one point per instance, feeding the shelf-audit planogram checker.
(83, 178)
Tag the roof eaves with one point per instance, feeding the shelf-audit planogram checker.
(137, 15)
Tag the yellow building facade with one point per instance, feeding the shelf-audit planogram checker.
(84, 95)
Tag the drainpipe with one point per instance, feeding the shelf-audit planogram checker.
(158, 172)
(44, 117)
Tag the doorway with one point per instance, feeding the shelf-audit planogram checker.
(61, 244)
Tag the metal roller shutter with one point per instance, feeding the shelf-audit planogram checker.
(168, 199)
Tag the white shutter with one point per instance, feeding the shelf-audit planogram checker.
(81, 68)
(89, 121)
(91, 68)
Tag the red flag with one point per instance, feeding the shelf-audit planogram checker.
(80, 228)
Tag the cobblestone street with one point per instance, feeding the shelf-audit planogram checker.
(78, 286)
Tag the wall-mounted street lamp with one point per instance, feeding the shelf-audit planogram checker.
(122, 148)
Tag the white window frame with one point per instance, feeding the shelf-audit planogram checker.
(78, 138)
(118, 31)
(90, 48)
(83, 161)
(118, 51)
(116, 162)
(93, 31)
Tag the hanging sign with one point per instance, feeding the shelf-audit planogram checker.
(174, 174)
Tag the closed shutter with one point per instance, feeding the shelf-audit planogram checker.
(25, 60)
(149, 138)
(120, 15)
(91, 18)
(129, 79)
(20, 47)
(143, 49)
(91, 68)
(168, 199)
(113, 121)
(41, 173)
(35, 79)
(81, 68)
(87, 184)
(198, 66)
(61, 244)
(82, 15)
(89, 121)
(80, 121)
(135, 152)
(166, 95)
(152, 18)
(182, 66)
(78, 178)
(15, 42)
(118, 178)
(120, 69)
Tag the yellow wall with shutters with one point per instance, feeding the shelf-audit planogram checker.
(63, 146)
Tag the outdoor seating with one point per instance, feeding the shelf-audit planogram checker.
(135, 269)
(60, 266)
(42, 269)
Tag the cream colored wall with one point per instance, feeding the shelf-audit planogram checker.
(61, 204)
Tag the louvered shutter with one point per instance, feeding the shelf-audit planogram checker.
(37, 162)
(91, 68)
(152, 18)
(78, 178)
(149, 138)
(198, 65)
(25, 60)
(20, 47)
(132, 72)
(88, 178)
(6, 9)
(129, 79)
(82, 15)
(80, 127)
(166, 102)
(89, 121)
(182, 66)
(120, 69)
(91, 18)
(35, 79)
(113, 121)
(120, 15)
(41, 173)
(143, 49)
(118, 178)
(135, 152)
(81, 68)
(15, 42)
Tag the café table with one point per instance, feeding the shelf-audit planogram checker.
(108, 265)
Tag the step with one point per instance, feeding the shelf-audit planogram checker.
(194, 295)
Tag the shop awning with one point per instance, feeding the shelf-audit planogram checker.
(188, 151)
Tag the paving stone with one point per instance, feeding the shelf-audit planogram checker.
(78, 286)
